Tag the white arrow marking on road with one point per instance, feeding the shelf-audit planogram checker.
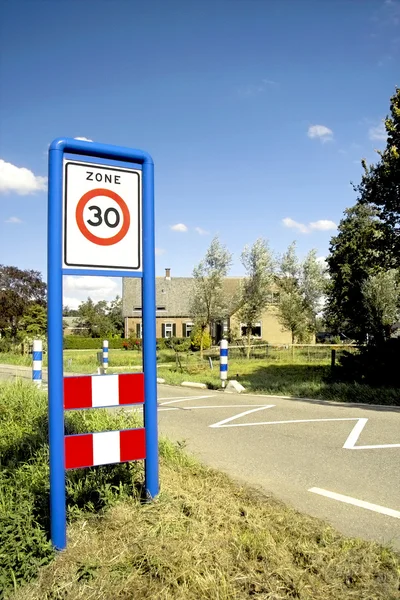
(180, 399)
(200, 407)
(360, 503)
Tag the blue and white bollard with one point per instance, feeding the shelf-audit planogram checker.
(37, 357)
(223, 362)
(105, 355)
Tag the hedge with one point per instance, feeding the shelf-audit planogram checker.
(78, 342)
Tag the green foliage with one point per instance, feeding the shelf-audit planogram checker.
(302, 285)
(24, 478)
(259, 264)
(19, 289)
(101, 319)
(380, 184)
(357, 252)
(177, 344)
(78, 342)
(200, 338)
(374, 365)
(208, 302)
(132, 343)
(34, 320)
(381, 295)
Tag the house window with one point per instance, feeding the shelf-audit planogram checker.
(139, 331)
(187, 329)
(255, 330)
(168, 330)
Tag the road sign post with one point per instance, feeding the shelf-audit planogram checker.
(100, 223)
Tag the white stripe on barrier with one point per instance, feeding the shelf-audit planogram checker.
(105, 391)
(106, 447)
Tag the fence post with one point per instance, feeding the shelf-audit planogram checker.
(37, 361)
(223, 362)
(333, 359)
(105, 355)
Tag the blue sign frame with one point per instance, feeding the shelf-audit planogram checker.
(135, 159)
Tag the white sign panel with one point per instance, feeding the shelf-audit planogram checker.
(102, 225)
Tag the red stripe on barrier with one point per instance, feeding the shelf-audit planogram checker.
(78, 451)
(77, 392)
(131, 388)
(132, 444)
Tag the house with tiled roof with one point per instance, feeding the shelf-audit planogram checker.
(173, 299)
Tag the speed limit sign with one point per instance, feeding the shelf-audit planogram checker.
(102, 216)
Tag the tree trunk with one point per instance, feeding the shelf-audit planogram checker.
(292, 338)
(248, 342)
(201, 342)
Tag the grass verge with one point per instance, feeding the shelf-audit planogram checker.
(206, 538)
(297, 380)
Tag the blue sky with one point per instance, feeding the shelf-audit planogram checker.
(256, 112)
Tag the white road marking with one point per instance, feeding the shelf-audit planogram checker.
(355, 434)
(182, 399)
(200, 407)
(221, 423)
(360, 503)
(247, 412)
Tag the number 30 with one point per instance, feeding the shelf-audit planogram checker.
(98, 216)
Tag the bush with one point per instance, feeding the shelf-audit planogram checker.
(375, 365)
(78, 342)
(195, 339)
(132, 343)
(24, 478)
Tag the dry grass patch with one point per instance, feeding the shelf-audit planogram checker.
(206, 538)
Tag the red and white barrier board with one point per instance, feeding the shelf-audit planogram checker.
(95, 391)
(107, 447)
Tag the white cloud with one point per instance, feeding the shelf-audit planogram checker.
(378, 132)
(13, 220)
(320, 132)
(179, 227)
(258, 88)
(160, 251)
(20, 180)
(84, 139)
(288, 222)
(321, 225)
(201, 231)
(78, 289)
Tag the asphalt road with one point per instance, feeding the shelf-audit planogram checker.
(288, 447)
(338, 462)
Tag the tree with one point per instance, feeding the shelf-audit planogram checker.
(94, 320)
(356, 252)
(18, 290)
(259, 264)
(34, 320)
(208, 302)
(302, 286)
(115, 315)
(380, 184)
(381, 295)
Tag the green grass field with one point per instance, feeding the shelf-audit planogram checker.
(302, 372)
(203, 538)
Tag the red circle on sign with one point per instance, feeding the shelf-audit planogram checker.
(82, 225)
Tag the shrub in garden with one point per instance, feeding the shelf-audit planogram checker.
(24, 478)
(195, 339)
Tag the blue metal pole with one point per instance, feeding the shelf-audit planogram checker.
(149, 332)
(55, 352)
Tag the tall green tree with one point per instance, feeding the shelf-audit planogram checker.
(302, 286)
(380, 183)
(34, 321)
(358, 251)
(208, 301)
(19, 289)
(101, 319)
(381, 295)
(259, 264)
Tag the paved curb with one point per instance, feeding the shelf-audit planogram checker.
(194, 384)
